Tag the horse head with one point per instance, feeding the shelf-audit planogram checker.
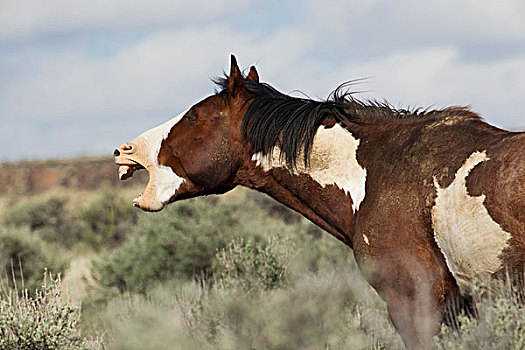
(196, 153)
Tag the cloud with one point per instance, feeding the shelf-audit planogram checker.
(68, 98)
(372, 28)
(169, 68)
(438, 77)
(25, 18)
(142, 85)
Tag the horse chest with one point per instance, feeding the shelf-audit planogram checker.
(470, 239)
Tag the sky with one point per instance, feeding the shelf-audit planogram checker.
(81, 77)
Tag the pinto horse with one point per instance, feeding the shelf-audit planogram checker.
(429, 201)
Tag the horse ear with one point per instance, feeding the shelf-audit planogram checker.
(235, 80)
(253, 75)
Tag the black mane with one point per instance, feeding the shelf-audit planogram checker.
(273, 118)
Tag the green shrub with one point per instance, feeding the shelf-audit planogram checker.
(106, 221)
(179, 242)
(46, 320)
(103, 223)
(251, 265)
(49, 219)
(26, 256)
(36, 213)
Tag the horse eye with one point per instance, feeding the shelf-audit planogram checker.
(191, 118)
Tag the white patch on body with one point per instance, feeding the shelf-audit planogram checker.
(464, 230)
(365, 238)
(333, 161)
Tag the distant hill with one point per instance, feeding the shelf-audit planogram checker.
(85, 173)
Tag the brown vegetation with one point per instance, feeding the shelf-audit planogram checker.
(86, 173)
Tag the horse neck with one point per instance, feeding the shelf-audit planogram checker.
(328, 191)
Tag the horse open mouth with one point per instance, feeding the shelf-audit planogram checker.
(125, 171)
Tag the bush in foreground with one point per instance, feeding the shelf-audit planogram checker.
(46, 320)
(319, 311)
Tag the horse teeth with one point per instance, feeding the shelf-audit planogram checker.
(136, 200)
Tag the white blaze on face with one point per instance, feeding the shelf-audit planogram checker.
(333, 161)
(464, 230)
(163, 181)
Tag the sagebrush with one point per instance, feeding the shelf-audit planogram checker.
(43, 320)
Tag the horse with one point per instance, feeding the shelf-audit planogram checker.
(429, 200)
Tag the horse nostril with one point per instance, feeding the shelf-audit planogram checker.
(116, 153)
